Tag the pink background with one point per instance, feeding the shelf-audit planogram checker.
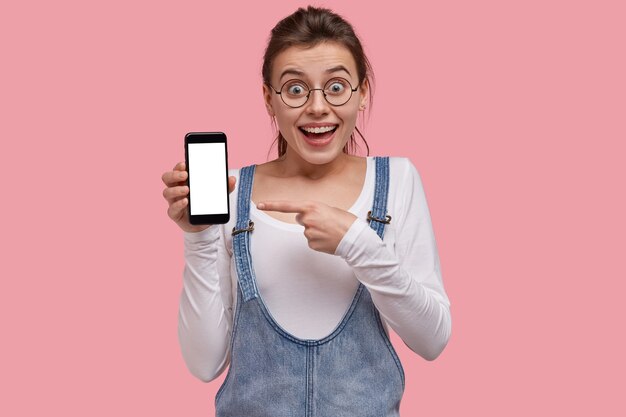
(513, 112)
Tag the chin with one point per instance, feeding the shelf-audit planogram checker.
(319, 157)
(319, 151)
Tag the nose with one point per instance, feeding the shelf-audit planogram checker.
(317, 104)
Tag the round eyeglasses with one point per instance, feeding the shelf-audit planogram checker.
(295, 93)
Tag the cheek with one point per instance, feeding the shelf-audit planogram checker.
(285, 122)
(350, 115)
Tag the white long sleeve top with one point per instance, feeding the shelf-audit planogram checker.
(308, 292)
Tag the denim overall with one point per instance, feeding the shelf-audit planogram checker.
(352, 372)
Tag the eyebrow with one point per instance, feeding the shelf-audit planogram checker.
(299, 73)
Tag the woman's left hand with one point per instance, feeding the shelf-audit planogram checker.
(324, 226)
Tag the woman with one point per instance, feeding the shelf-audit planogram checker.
(326, 251)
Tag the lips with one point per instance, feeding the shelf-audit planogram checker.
(317, 130)
(319, 135)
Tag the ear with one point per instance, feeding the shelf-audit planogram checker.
(364, 94)
(267, 97)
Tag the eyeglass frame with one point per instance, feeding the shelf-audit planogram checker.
(280, 92)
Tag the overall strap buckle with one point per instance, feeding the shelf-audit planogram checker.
(386, 220)
(245, 229)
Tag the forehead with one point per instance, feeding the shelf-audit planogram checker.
(314, 62)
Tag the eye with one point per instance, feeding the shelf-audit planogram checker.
(337, 86)
(295, 88)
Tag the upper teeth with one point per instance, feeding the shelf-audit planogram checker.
(319, 129)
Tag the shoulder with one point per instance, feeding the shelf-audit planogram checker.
(404, 182)
(402, 172)
(236, 172)
(401, 169)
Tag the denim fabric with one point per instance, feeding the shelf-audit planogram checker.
(352, 372)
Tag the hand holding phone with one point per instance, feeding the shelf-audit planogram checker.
(177, 193)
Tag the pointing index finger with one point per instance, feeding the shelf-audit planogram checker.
(282, 206)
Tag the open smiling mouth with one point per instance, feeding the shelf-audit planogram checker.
(318, 133)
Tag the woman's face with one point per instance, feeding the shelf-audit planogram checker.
(315, 66)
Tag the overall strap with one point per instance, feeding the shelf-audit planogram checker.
(378, 216)
(241, 235)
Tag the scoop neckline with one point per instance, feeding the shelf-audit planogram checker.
(266, 218)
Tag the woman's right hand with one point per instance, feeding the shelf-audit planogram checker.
(176, 195)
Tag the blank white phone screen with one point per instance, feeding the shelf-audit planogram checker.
(207, 178)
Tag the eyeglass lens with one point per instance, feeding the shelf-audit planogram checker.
(337, 91)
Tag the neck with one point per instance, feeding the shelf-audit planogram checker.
(292, 165)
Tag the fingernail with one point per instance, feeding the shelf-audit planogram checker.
(260, 206)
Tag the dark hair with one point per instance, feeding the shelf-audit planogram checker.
(308, 28)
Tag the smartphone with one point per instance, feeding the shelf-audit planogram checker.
(206, 161)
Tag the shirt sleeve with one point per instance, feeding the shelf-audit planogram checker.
(205, 316)
(404, 279)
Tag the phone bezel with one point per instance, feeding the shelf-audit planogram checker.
(206, 137)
